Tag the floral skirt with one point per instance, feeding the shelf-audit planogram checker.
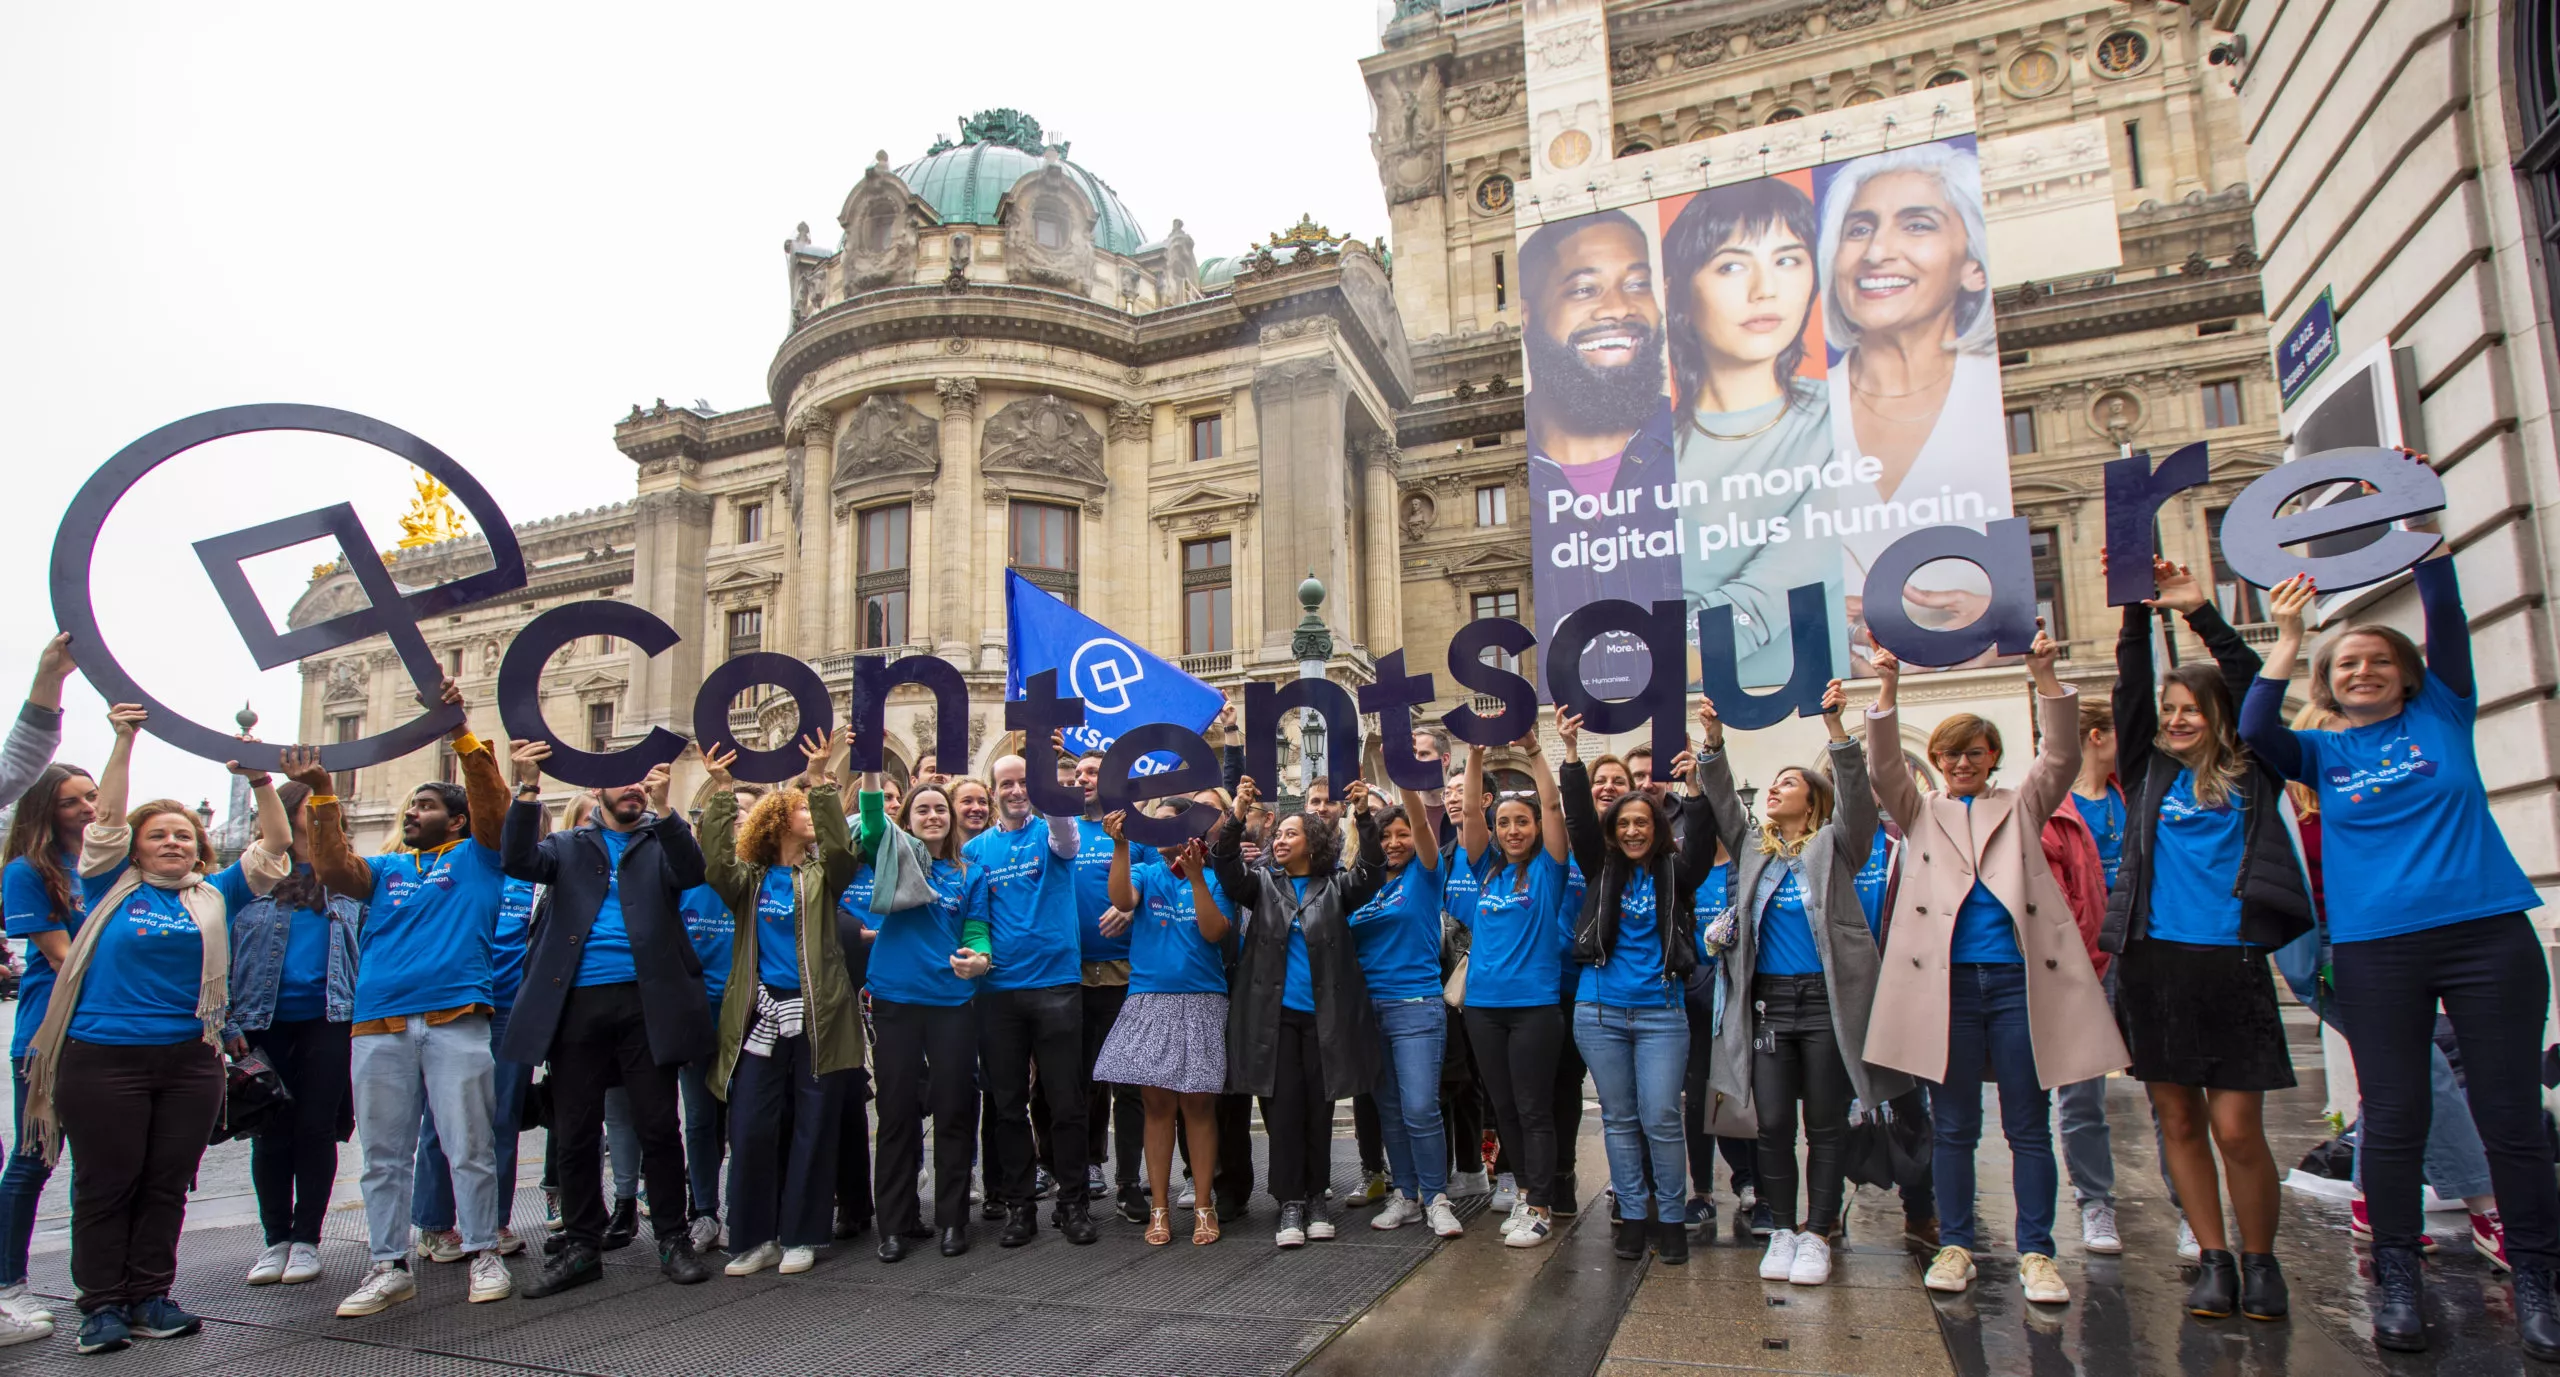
(1174, 1042)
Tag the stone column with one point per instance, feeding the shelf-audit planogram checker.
(1381, 589)
(1135, 588)
(672, 526)
(809, 583)
(1298, 405)
(955, 609)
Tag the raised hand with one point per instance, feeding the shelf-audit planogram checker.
(2288, 601)
(1115, 823)
(1711, 724)
(258, 779)
(1226, 720)
(1682, 765)
(2040, 658)
(815, 750)
(655, 786)
(1835, 700)
(302, 766)
(1569, 732)
(53, 665)
(2178, 588)
(1355, 800)
(448, 694)
(126, 719)
(716, 761)
(1247, 794)
(1194, 857)
(527, 759)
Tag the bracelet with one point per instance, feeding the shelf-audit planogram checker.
(467, 743)
(260, 781)
(316, 800)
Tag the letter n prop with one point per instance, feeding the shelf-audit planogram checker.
(735, 676)
(2135, 491)
(875, 675)
(1263, 706)
(2254, 537)
(1119, 791)
(2008, 625)
(520, 691)
(1665, 695)
(1720, 671)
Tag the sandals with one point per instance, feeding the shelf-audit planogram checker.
(1204, 1227)
(1159, 1231)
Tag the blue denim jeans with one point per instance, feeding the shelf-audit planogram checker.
(1987, 1019)
(21, 1186)
(431, 1204)
(2087, 1150)
(1639, 1059)
(1417, 1035)
(704, 1138)
(448, 1070)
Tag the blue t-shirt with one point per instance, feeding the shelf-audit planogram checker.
(1711, 899)
(1984, 935)
(1521, 932)
(607, 957)
(2195, 864)
(2403, 798)
(778, 929)
(302, 987)
(1786, 932)
(1632, 977)
(1873, 879)
(2105, 817)
(1093, 889)
(1397, 935)
(911, 958)
(507, 942)
(147, 973)
(709, 925)
(426, 941)
(30, 910)
(1298, 991)
(1167, 954)
(1458, 883)
(1031, 908)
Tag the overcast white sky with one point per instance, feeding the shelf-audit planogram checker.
(499, 226)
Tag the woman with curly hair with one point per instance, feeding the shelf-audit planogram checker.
(788, 1019)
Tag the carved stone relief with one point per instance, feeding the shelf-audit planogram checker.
(959, 395)
(1407, 139)
(879, 235)
(1043, 437)
(346, 680)
(1048, 204)
(885, 437)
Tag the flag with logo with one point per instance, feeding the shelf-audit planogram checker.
(1122, 686)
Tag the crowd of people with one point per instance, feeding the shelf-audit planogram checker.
(729, 1000)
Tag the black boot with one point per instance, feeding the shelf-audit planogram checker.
(2399, 1301)
(2262, 1290)
(678, 1262)
(955, 1241)
(1078, 1224)
(893, 1246)
(575, 1264)
(1020, 1223)
(1629, 1243)
(1568, 1197)
(624, 1227)
(2217, 1290)
(850, 1225)
(1671, 1243)
(1133, 1204)
(2537, 1313)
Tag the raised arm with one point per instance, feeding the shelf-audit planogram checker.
(2057, 762)
(1888, 771)
(837, 859)
(2134, 702)
(1226, 849)
(1368, 872)
(1471, 820)
(333, 857)
(2262, 724)
(2448, 634)
(37, 733)
(1854, 804)
(521, 854)
(270, 858)
(1423, 818)
(1711, 778)
(1550, 804)
(1124, 893)
(733, 879)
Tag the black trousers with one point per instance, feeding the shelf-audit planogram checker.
(1366, 1132)
(1015, 1026)
(1570, 1074)
(2489, 974)
(294, 1159)
(783, 1123)
(1516, 1052)
(1795, 1060)
(1297, 1115)
(1462, 1105)
(1740, 1154)
(927, 1057)
(1232, 1173)
(853, 1145)
(1105, 1130)
(602, 1041)
(136, 1119)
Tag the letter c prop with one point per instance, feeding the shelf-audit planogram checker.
(520, 691)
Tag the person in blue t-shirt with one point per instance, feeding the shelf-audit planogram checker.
(127, 1065)
(923, 970)
(2095, 793)
(712, 930)
(1521, 919)
(1170, 1040)
(40, 893)
(1104, 930)
(2441, 918)
(1398, 937)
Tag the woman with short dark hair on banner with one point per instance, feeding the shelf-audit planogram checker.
(789, 1021)
(1799, 972)
(128, 1062)
(925, 910)
(1170, 1040)
(293, 974)
(1301, 1032)
(2211, 882)
(1635, 941)
(1520, 919)
(1398, 936)
(2401, 791)
(1983, 964)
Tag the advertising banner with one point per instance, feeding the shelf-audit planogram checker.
(1758, 386)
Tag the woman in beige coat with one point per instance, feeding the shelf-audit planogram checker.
(1983, 962)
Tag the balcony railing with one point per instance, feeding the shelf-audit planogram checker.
(1209, 662)
(842, 661)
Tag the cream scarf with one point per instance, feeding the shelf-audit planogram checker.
(101, 850)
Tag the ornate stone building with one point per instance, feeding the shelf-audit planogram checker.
(994, 365)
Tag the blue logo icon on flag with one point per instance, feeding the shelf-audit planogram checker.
(1122, 686)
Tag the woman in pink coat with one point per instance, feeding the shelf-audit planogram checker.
(1983, 962)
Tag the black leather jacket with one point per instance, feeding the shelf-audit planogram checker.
(1347, 1039)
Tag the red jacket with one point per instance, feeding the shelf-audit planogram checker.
(2071, 851)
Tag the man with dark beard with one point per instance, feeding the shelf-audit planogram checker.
(1600, 432)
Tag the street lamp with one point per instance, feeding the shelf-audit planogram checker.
(1749, 793)
(1312, 644)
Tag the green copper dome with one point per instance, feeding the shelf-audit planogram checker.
(963, 181)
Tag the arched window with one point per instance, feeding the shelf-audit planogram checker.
(1784, 113)
(2535, 28)
(879, 226)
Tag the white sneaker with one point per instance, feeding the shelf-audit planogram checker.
(490, 1280)
(1287, 1236)
(706, 1232)
(1813, 1260)
(1506, 1194)
(1319, 1224)
(2098, 1228)
(1400, 1210)
(2188, 1249)
(17, 1330)
(1533, 1229)
(1374, 1187)
(1951, 1271)
(1187, 1198)
(17, 1302)
(508, 1243)
(754, 1260)
(269, 1268)
(386, 1285)
(796, 1260)
(1444, 1218)
(302, 1265)
(1745, 1198)
(440, 1245)
(1519, 1215)
(2040, 1281)
(1779, 1263)
(1464, 1185)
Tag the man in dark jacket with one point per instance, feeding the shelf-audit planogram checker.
(612, 993)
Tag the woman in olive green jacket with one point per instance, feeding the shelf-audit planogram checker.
(789, 1024)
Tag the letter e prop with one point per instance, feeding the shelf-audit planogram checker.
(1120, 791)
(2254, 537)
(2008, 625)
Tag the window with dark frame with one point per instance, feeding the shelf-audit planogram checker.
(1043, 546)
(1208, 437)
(880, 580)
(1049, 228)
(2239, 600)
(453, 662)
(1501, 603)
(2133, 149)
(750, 522)
(1493, 505)
(1208, 595)
(599, 725)
(2221, 400)
(343, 730)
(2044, 550)
(746, 633)
(448, 764)
(1501, 284)
(2022, 430)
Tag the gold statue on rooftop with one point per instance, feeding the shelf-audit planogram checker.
(431, 518)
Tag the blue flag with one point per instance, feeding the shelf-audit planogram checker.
(1121, 685)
